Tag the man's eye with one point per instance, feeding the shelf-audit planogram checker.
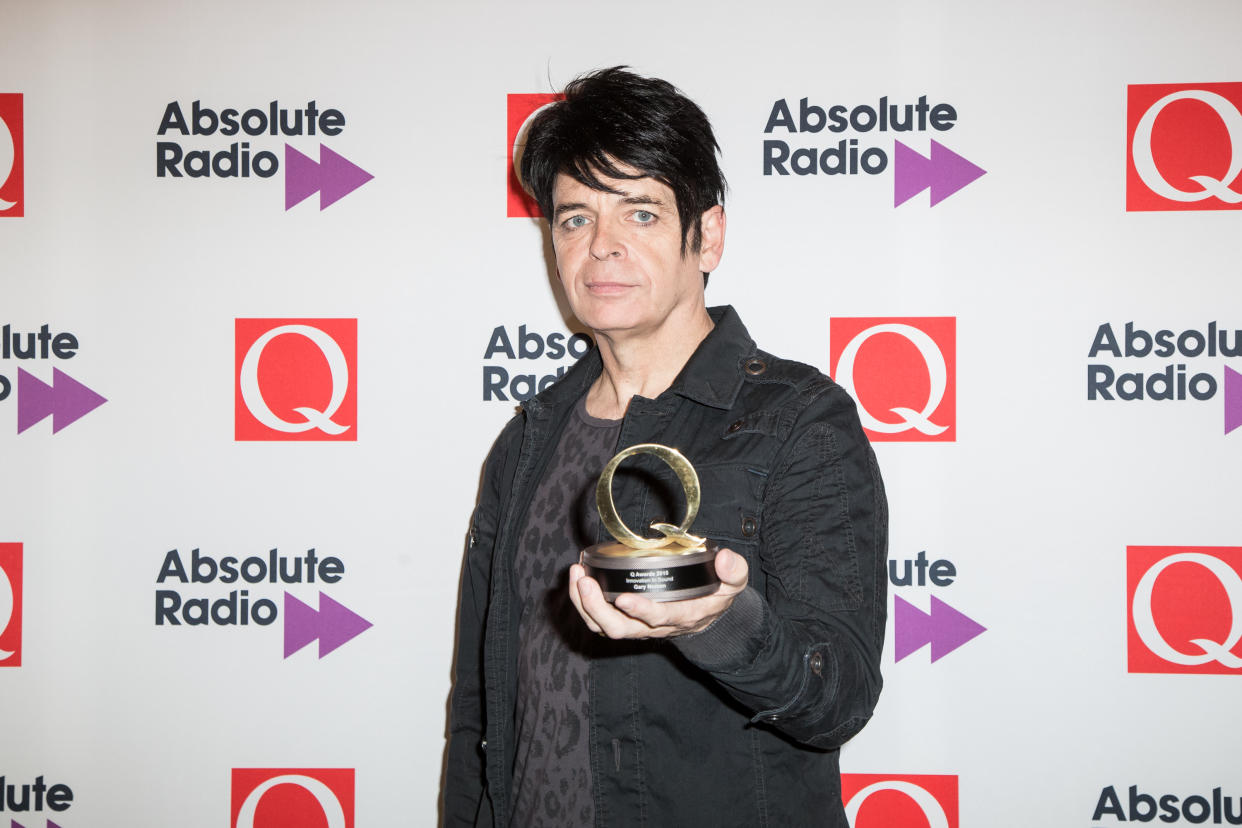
(644, 217)
(576, 221)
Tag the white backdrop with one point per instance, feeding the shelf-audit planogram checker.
(1039, 502)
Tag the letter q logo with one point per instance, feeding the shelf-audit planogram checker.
(296, 379)
(903, 801)
(522, 109)
(1184, 147)
(1185, 609)
(10, 605)
(12, 183)
(902, 374)
(273, 798)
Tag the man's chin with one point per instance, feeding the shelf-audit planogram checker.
(606, 317)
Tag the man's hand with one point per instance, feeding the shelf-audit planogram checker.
(634, 616)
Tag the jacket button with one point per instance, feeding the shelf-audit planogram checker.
(749, 525)
(755, 367)
(736, 425)
(817, 663)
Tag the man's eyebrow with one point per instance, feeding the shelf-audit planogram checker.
(569, 207)
(642, 199)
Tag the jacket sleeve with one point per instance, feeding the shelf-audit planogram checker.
(804, 654)
(465, 795)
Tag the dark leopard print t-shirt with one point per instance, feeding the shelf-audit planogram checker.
(552, 769)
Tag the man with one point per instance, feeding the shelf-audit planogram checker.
(727, 709)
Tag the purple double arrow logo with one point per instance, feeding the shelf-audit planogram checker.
(943, 627)
(333, 176)
(944, 173)
(333, 624)
(1233, 399)
(66, 400)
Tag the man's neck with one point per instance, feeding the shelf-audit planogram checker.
(644, 365)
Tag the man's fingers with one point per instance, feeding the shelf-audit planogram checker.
(601, 616)
(576, 574)
(672, 617)
(732, 570)
(650, 612)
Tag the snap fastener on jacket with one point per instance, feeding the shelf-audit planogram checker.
(736, 425)
(749, 526)
(817, 663)
(755, 367)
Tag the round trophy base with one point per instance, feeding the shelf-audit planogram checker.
(660, 574)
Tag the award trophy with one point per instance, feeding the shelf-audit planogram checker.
(670, 568)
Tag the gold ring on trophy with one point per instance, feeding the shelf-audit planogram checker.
(689, 484)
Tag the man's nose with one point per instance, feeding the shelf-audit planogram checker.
(605, 244)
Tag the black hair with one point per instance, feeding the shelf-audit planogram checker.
(614, 117)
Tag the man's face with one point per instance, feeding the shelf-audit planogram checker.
(619, 255)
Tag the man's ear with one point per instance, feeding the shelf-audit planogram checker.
(711, 239)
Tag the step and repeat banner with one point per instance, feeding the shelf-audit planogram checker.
(268, 292)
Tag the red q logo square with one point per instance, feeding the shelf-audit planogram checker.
(12, 156)
(292, 798)
(1184, 146)
(1185, 609)
(10, 605)
(902, 372)
(296, 379)
(887, 801)
(521, 109)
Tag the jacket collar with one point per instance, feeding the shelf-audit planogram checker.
(712, 376)
(566, 391)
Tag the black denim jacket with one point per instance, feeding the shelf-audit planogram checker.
(739, 724)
